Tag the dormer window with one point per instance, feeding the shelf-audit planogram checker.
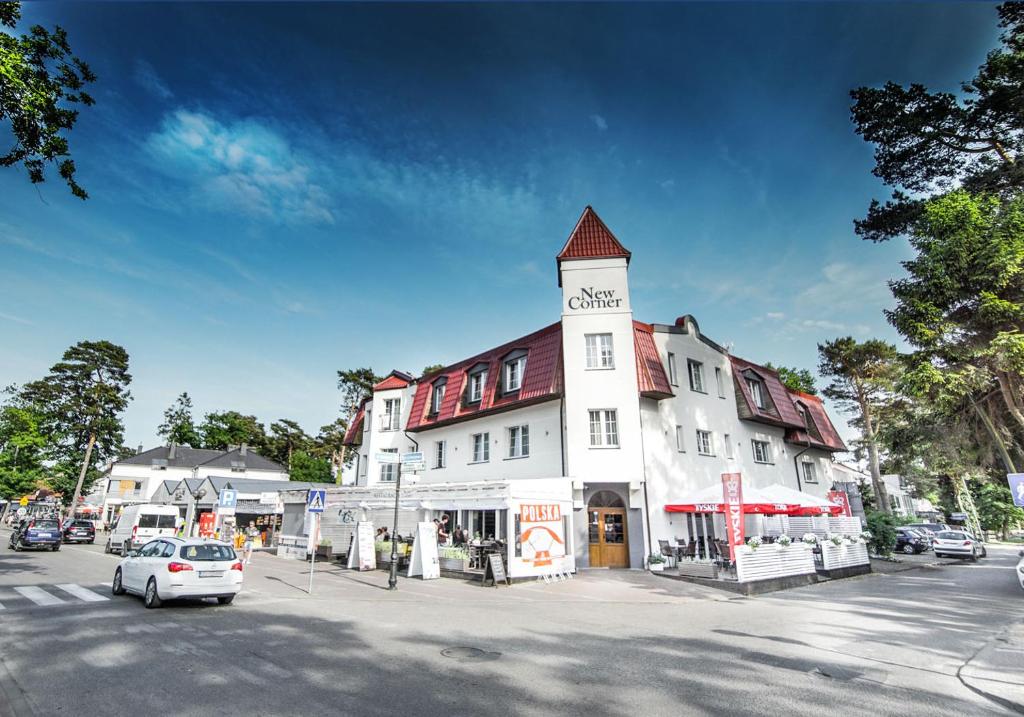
(514, 368)
(238, 466)
(756, 392)
(159, 464)
(805, 415)
(437, 395)
(475, 384)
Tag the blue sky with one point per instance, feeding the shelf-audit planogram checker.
(278, 192)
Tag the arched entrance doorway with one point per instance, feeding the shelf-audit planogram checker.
(609, 538)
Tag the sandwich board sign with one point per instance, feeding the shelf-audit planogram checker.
(315, 500)
(424, 560)
(363, 556)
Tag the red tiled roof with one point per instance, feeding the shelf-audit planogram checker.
(542, 381)
(786, 416)
(830, 440)
(591, 239)
(354, 432)
(650, 373)
(395, 379)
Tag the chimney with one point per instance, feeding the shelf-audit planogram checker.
(170, 453)
(138, 450)
(242, 450)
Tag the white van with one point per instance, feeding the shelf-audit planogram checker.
(138, 524)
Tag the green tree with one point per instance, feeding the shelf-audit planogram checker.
(795, 379)
(355, 385)
(285, 438)
(882, 527)
(330, 444)
(310, 469)
(22, 447)
(81, 401)
(929, 142)
(231, 428)
(41, 82)
(996, 510)
(432, 368)
(178, 426)
(862, 383)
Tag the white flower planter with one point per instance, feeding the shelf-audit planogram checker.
(657, 567)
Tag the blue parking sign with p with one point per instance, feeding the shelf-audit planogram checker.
(228, 498)
(1017, 488)
(315, 500)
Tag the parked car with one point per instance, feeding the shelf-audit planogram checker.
(1020, 569)
(911, 542)
(78, 531)
(958, 542)
(138, 524)
(929, 529)
(40, 533)
(174, 568)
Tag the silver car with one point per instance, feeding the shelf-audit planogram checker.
(958, 542)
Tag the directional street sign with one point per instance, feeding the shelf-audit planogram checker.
(315, 500)
(416, 457)
(413, 467)
(1017, 488)
(228, 498)
(386, 457)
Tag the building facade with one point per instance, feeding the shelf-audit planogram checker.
(631, 416)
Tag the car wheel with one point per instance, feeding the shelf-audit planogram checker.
(974, 557)
(908, 549)
(939, 555)
(984, 552)
(56, 547)
(18, 546)
(152, 599)
(226, 600)
(117, 588)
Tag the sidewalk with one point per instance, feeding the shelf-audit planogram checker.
(910, 562)
(994, 671)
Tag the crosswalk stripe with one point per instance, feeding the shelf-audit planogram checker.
(82, 593)
(39, 596)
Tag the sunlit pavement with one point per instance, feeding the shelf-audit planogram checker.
(931, 640)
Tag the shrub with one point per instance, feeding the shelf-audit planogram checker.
(882, 527)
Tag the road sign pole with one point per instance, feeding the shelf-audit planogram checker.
(393, 577)
(312, 558)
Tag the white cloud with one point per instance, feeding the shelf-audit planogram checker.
(16, 319)
(145, 75)
(600, 122)
(775, 315)
(240, 166)
(668, 184)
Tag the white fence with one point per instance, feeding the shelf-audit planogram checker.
(846, 555)
(845, 526)
(773, 561)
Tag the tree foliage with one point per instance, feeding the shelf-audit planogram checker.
(795, 379)
(81, 401)
(22, 449)
(41, 83)
(219, 430)
(355, 385)
(285, 438)
(882, 527)
(310, 468)
(178, 426)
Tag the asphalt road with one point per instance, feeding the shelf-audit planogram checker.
(606, 643)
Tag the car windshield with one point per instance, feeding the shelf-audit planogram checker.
(82, 524)
(951, 535)
(152, 520)
(207, 552)
(45, 525)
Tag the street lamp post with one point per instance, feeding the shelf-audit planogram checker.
(393, 577)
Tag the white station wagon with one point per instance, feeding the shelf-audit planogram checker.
(958, 542)
(173, 568)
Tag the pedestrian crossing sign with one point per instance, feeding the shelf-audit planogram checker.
(315, 500)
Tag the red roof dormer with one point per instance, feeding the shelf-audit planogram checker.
(591, 239)
(395, 379)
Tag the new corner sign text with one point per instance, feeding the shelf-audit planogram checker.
(595, 299)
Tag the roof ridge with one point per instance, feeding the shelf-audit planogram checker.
(592, 242)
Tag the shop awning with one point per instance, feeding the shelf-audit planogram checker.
(774, 500)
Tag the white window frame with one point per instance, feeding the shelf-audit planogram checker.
(695, 370)
(518, 365)
(390, 469)
(518, 441)
(680, 439)
(390, 421)
(810, 472)
(705, 443)
(720, 380)
(606, 421)
(600, 351)
(477, 381)
(440, 454)
(756, 393)
(728, 446)
(768, 458)
(437, 398)
(673, 377)
(484, 455)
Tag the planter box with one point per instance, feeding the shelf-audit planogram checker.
(454, 564)
(835, 557)
(656, 567)
(773, 561)
(698, 570)
(323, 551)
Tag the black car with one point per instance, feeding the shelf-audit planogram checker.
(40, 533)
(79, 531)
(911, 542)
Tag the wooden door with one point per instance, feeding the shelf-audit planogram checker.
(609, 538)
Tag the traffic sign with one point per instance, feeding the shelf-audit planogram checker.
(1016, 481)
(416, 457)
(315, 500)
(24, 501)
(386, 457)
(413, 467)
(228, 498)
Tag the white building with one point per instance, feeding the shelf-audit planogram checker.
(632, 417)
(137, 479)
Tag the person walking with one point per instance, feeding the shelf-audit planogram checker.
(250, 541)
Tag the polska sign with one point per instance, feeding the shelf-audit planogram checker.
(549, 513)
(595, 299)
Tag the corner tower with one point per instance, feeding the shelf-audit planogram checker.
(604, 451)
